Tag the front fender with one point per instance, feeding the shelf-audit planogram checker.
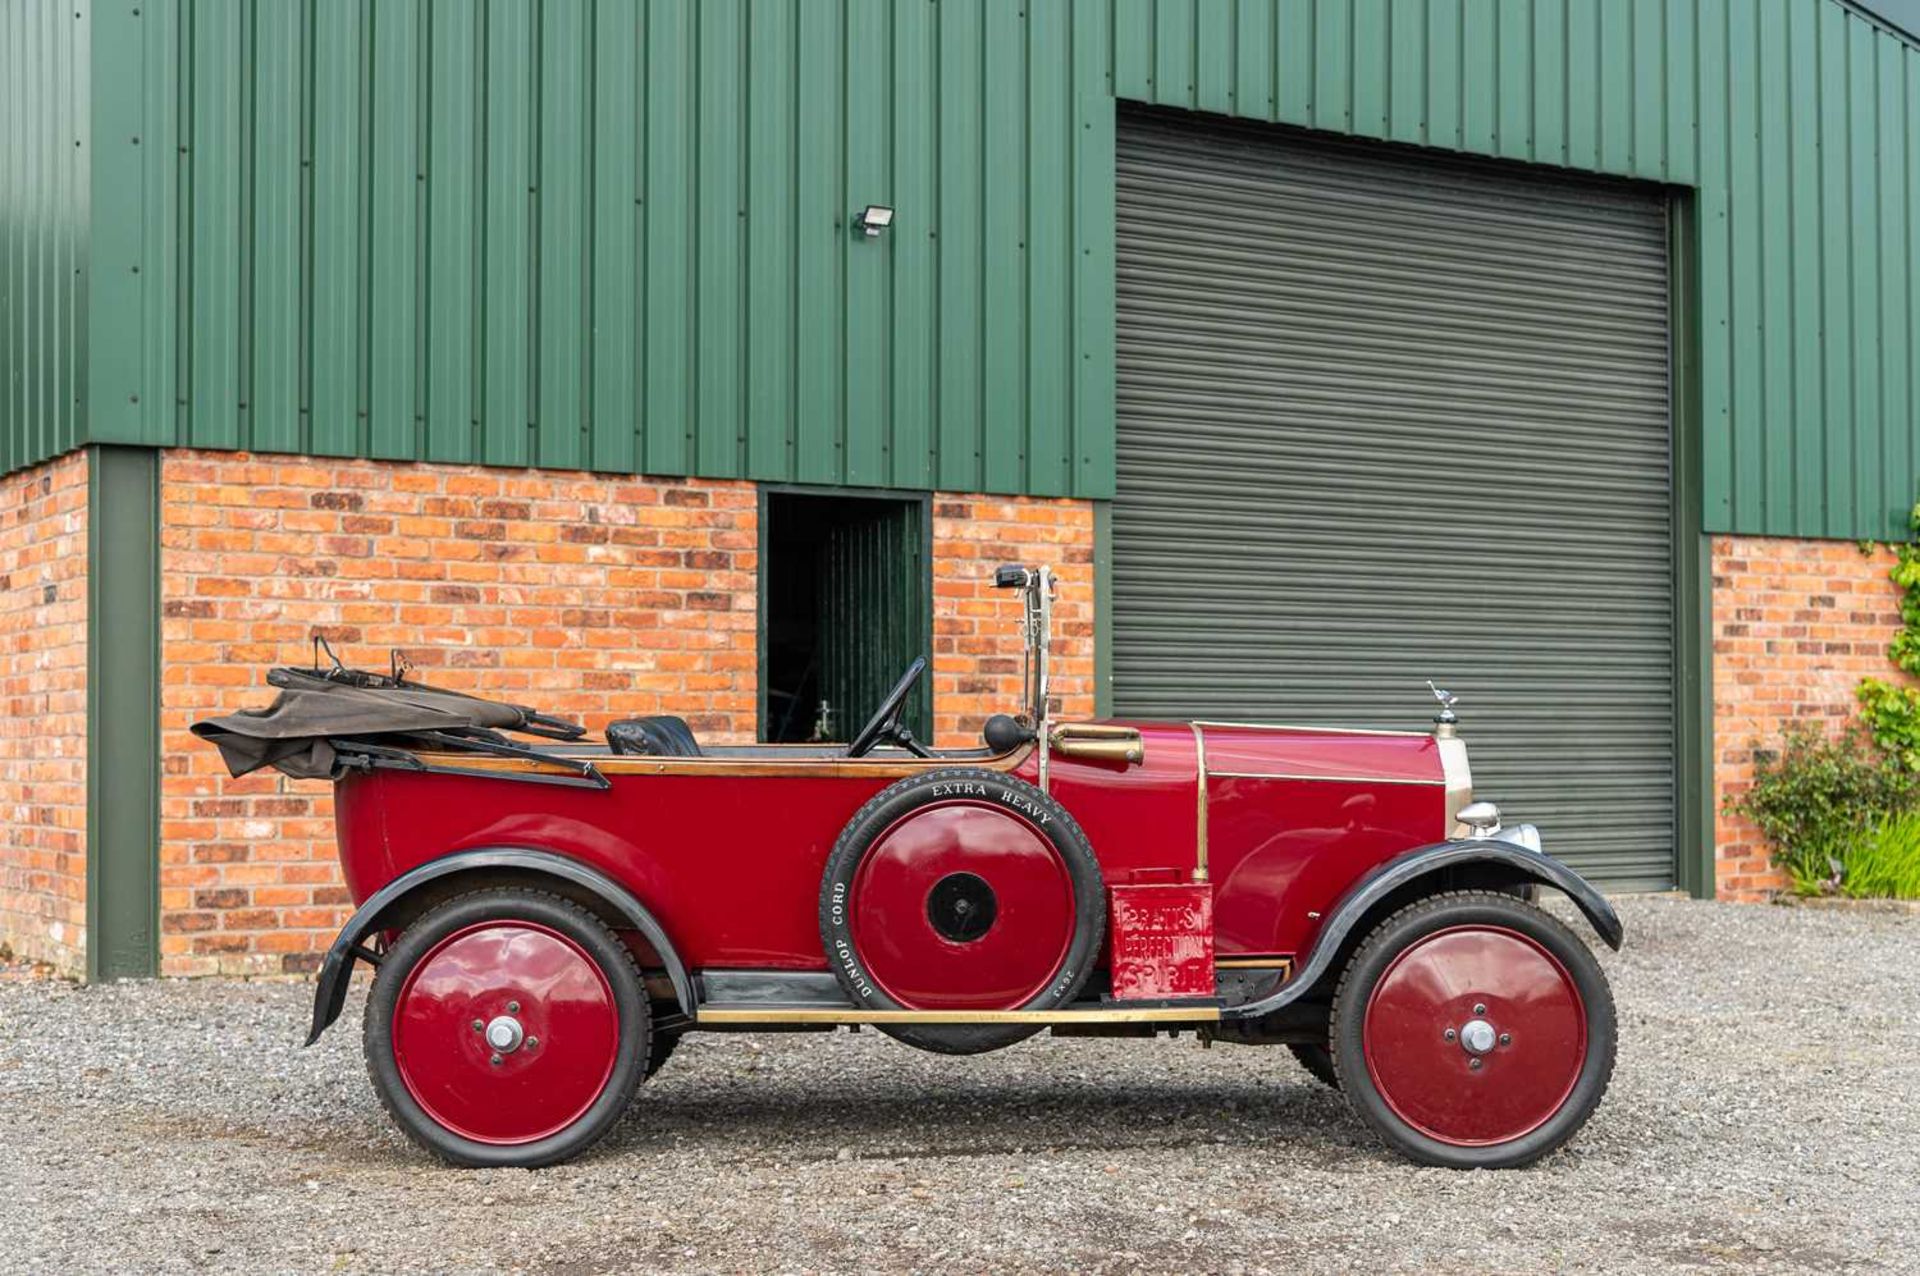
(1409, 867)
(337, 971)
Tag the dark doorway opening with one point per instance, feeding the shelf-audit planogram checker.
(846, 606)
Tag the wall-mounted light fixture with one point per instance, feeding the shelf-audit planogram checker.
(873, 219)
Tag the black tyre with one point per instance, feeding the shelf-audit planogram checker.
(1317, 1060)
(507, 1027)
(660, 1049)
(1472, 1030)
(962, 889)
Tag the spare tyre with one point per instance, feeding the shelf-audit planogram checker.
(962, 890)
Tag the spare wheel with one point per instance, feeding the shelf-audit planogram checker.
(962, 890)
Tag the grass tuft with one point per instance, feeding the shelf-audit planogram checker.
(1885, 862)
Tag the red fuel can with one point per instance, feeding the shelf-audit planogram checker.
(1161, 941)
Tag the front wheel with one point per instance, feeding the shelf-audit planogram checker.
(1317, 1060)
(507, 1028)
(1473, 1030)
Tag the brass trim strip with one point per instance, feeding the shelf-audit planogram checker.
(1281, 726)
(1098, 742)
(817, 1014)
(1095, 731)
(1459, 776)
(1132, 753)
(1200, 802)
(1254, 963)
(1335, 779)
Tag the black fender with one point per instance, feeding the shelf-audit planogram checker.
(1409, 867)
(337, 971)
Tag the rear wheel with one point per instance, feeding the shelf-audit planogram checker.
(1473, 1030)
(507, 1027)
(660, 1049)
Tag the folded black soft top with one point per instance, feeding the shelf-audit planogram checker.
(320, 713)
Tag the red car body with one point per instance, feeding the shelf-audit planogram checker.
(1292, 816)
(548, 919)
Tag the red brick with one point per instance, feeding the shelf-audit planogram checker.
(1796, 626)
(477, 575)
(592, 596)
(43, 745)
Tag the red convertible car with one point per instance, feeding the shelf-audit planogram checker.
(547, 916)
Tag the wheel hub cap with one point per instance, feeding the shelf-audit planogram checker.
(522, 985)
(505, 1034)
(1513, 1059)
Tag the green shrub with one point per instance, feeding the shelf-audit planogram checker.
(1885, 862)
(1893, 713)
(1817, 798)
(1836, 810)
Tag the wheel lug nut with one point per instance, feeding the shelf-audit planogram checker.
(478, 1026)
(1474, 1064)
(513, 1007)
(1506, 1038)
(497, 1060)
(1480, 1008)
(533, 1043)
(1449, 1034)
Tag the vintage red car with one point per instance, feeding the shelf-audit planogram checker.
(547, 916)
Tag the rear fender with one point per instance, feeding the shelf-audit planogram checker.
(1495, 860)
(392, 903)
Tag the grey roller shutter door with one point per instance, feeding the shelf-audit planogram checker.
(1387, 416)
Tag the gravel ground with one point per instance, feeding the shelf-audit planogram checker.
(1765, 1116)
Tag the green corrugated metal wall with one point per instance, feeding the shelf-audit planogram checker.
(1798, 121)
(43, 244)
(617, 236)
(613, 234)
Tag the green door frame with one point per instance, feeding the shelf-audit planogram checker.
(1103, 608)
(922, 499)
(123, 712)
(1692, 562)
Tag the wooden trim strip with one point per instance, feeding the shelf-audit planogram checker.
(775, 768)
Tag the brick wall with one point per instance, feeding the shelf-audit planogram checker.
(599, 598)
(43, 713)
(591, 597)
(1796, 626)
(977, 651)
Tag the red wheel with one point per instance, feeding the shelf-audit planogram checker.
(962, 890)
(506, 1032)
(1474, 1030)
(962, 906)
(507, 1028)
(1475, 1035)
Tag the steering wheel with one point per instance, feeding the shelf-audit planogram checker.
(885, 723)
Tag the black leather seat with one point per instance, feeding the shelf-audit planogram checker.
(660, 736)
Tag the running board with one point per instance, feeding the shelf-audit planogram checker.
(725, 1014)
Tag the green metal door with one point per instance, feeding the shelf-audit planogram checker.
(872, 609)
(1386, 416)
